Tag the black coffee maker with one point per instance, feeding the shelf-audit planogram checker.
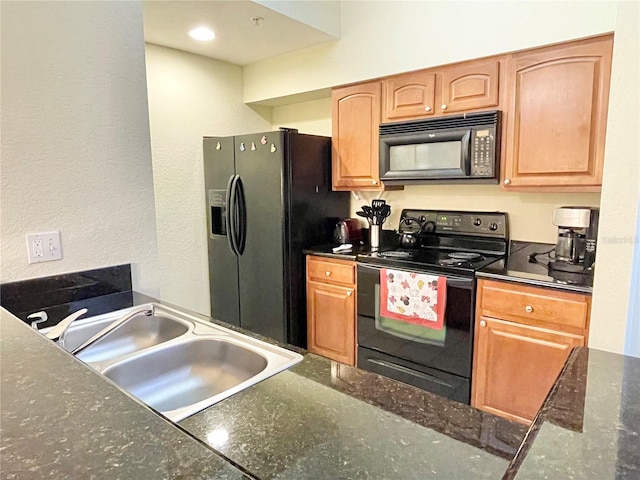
(575, 250)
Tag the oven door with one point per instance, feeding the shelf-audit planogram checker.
(449, 350)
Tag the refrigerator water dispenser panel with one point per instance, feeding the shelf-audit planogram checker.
(217, 212)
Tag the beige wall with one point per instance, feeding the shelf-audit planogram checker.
(75, 139)
(190, 96)
(385, 37)
(618, 233)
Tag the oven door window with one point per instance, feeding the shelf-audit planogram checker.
(405, 330)
(414, 343)
(434, 157)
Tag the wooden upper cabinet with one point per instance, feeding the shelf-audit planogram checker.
(470, 86)
(557, 113)
(355, 121)
(408, 96)
(462, 87)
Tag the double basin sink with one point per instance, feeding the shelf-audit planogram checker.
(176, 362)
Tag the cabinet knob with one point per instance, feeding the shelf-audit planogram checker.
(327, 273)
(374, 182)
(443, 106)
(528, 309)
(349, 293)
(483, 323)
(506, 181)
(427, 108)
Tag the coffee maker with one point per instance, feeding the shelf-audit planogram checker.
(575, 250)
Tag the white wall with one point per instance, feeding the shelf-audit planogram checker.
(385, 37)
(618, 233)
(190, 96)
(75, 138)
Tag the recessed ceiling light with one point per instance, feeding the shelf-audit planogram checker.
(202, 33)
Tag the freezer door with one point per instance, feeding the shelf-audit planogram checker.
(219, 167)
(259, 164)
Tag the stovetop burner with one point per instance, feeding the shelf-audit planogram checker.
(460, 242)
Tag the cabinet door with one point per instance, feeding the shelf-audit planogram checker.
(558, 102)
(355, 117)
(516, 366)
(470, 86)
(408, 96)
(331, 321)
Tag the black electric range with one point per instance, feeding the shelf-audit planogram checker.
(445, 244)
(447, 241)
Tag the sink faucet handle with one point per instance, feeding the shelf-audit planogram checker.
(57, 332)
(40, 316)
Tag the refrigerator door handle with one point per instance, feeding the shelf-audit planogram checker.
(229, 217)
(241, 216)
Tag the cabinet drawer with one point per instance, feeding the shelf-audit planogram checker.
(522, 303)
(331, 271)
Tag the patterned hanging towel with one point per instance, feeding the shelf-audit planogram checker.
(413, 297)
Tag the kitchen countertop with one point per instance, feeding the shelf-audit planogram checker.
(589, 426)
(519, 268)
(61, 420)
(320, 419)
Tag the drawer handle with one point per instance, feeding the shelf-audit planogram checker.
(483, 323)
(349, 293)
(327, 273)
(528, 309)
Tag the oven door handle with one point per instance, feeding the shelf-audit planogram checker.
(452, 279)
(408, 371)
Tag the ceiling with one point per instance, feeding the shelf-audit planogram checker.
(239, 40)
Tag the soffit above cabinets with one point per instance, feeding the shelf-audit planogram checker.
(240, 39)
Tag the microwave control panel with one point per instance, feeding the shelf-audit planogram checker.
(483, 152)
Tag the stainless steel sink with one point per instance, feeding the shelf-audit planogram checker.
(177, 362)
(187, 373)
(136, 334)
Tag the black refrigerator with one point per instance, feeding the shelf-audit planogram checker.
(268, 198)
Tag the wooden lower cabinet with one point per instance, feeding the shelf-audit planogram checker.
(523, 337)
(518, 365)
(331, 309)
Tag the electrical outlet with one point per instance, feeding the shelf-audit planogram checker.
(44, 247)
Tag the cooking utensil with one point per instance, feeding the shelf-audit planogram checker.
(377, 203)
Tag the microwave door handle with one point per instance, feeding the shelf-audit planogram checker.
(466, 147)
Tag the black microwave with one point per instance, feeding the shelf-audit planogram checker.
(452, 149)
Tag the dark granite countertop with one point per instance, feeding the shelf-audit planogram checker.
(61, 420)
(325, 420)
(320, 419)
(519, 267)
(589, 427)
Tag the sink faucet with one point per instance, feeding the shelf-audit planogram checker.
(145, 309)
(58, 332)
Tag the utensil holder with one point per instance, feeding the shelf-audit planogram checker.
(374, 237)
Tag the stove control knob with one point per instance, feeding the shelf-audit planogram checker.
(477, 222)
(493, 227)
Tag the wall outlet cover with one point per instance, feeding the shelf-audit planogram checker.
(44, 247)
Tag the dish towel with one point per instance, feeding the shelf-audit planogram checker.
(413, 297)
